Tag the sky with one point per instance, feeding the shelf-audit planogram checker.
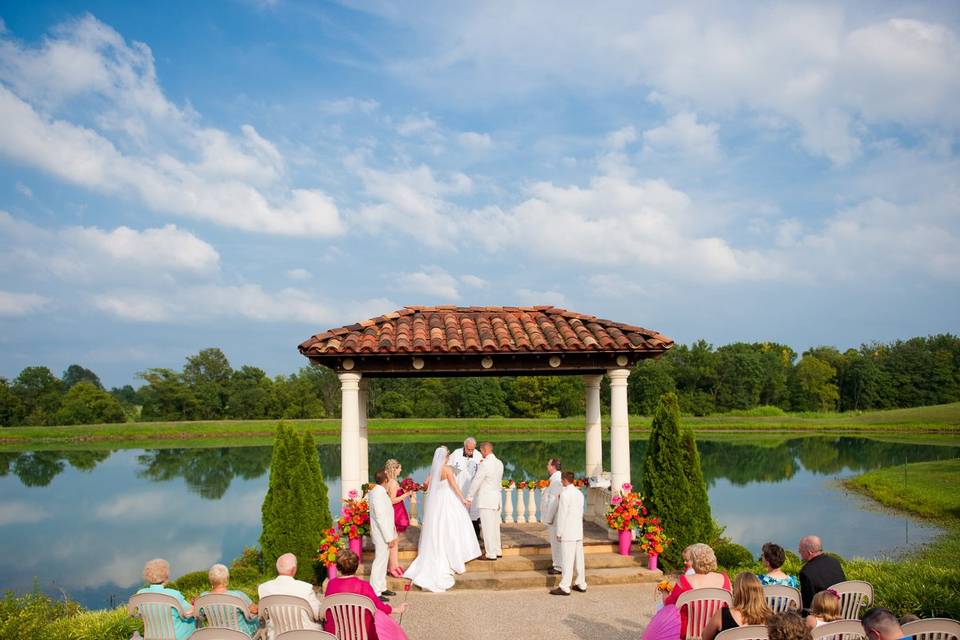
(244, 174)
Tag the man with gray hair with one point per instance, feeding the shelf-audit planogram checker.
(881, 624)
(465, 462)
(286, 585)
(819, 571)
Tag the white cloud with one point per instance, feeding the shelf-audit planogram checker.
(620, 138)
(13, 304)
(530, 297)
(431, 281)
(15, 512)
(24, 190)
(348, 105)
(299, 274)
(139, 145)
(419, 124)
(474, 281)
(475, 141)
(683, 135)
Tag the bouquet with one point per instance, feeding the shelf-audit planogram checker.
(354, 520)
(581, 482)
(506, 484)
(543, 484)
(330, 544)
(522, 484)
(652, 538)
(626, 511)
(409, 485)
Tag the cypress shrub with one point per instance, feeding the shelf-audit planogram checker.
(701, 519)
(284, 527)
(665, 484)
(319, 511)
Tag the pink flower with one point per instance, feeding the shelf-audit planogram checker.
(627, 486)
(616, 500)
(354, 494)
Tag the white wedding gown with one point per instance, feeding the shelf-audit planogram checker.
(447, 541)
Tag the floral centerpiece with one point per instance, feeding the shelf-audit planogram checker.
(625, 513)
(581, 482)
(522, 484)
(354, 520)
(506, 484)
(330, 544)
(543, 484)
(652, 540)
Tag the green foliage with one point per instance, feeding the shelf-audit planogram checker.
(75, 373)
(114, 624)
(666, 487)
(732, 556)
(166, 396)
(319, 511)
(12, 409)
(701, 518)
(208, 375)
(86, 403)
(37, 616)
(813, 385)
(39, 392)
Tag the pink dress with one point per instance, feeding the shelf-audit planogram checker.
(400, 518)
(684, 585)
(353, 584)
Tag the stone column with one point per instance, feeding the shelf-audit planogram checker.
(594, 433)
(349, 433)
(619, 430)
(364, 444)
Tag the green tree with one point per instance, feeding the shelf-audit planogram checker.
(814, 387)
(777, 362)
(75, 373)
(208, 375)
(650, 380)
(250, 394)
(739, 376)
(40, 393)
(701, 517)
(11, 408)
(393, 404)
(666, 486)
(482, 398)
(85, 403)
(167, 397)
(319, 511)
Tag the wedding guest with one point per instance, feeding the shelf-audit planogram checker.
(383, 533)
(219, 577)
(687, 562)
(401, 520)
(824, 608)
(749, 607)
(286, 585)
(819, 570)
(773, 557)
(549, 501)
(156, 573)
(881, 624)
(347, 582)
(788, 626)
(569, 533)
(704, 564)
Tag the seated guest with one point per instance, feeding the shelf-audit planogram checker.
(881, 624)
(787, 626)
(347, 582)
(286, 585)
(219, 577)
(749, 607)
(824, 608)
(156, 573)
(773, 557)
(819, 570)
(704, 564)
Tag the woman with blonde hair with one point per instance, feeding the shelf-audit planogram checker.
(824, 608)
(704, 564)
(749, 607)
(400, 518)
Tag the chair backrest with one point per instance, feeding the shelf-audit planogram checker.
(216, 633)
(746, 632)
(781, 598)
(156, 611)
(286, 613)
(700, 605)
(349, 612)
(933, 629)
(304, 634)
(854, 595)
(221, 610)
(839, 630)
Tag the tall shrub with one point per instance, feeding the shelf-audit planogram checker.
(701, 519)
(284, 527)
(666, 487)
(320, 504)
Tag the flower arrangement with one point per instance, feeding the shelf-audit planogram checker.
(626, 511)
(409, 485)
(354, 520)
(522, 484)
(506, 484)
(330, 544)
(581, 482)
(543, 484)
(652, 538)
(665, 587)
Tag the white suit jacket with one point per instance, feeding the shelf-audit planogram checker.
(465, 468)
(570, 514)
(289, 586)
(382, 523)
(550, 499)
(486, 484)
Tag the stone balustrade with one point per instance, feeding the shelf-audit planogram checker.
(518, 506)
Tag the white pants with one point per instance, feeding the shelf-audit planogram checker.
(378, 570)
(572, 554)
(554, 545)
(490, 527)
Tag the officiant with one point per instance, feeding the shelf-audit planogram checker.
(465, 461)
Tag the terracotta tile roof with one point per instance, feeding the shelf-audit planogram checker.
(449, 329)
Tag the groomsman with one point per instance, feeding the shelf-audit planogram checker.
(570, 536)
(383, 533)
(548, 510)
(465, 462)
(487, 488)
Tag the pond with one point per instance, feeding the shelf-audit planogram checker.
(85, 521)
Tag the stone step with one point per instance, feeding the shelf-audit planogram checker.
(510, 580)
(407, 555)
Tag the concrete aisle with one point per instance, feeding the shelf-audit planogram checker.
(609, 612)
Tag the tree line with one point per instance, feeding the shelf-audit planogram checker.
(739, 376)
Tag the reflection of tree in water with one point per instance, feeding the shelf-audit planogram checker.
(207, 472)
(39, 468)
(745, 463)
(859, 454)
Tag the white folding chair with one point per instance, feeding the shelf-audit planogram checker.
(854, 595)
(222, 610)
(304, 634)
(156, 610)
(746, 632)
(286, 613)
(933, 629)
(349, 612)
(839, 630)
(701, 604)
(218, 633)
(781, 598)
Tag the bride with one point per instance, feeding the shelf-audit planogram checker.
(447, 538)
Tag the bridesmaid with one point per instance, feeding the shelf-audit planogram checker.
(400, 517)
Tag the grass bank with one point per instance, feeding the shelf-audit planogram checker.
(917, 422)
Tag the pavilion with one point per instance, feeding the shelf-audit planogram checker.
(446, 341)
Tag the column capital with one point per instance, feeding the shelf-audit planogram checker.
(592, 382)
(350, 380)
(618, 376)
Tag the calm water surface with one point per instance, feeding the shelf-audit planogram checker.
(85, 521)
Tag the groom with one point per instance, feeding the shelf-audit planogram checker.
(487, 488)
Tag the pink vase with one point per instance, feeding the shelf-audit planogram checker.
(356, 545)
(626, 538)
(652, 561)
(331, 571)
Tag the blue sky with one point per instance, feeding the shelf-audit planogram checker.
(244, 174)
